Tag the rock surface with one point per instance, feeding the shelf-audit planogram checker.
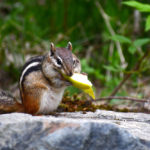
(102, 130)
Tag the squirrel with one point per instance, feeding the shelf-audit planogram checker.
(41, 82)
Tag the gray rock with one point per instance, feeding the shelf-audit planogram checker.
(102, 130)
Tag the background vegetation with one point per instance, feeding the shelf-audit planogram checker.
(110, 37)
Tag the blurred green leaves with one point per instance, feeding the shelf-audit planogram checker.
(139, 6)
(133, 45)
(121, 39)
(142, 8)
(27, 28)
(90, 70)
(137, 44)
(147, 23)
(140, 42)
(116, 68)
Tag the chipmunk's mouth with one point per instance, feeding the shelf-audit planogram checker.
(67, 82)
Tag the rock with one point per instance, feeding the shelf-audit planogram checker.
(104, 130)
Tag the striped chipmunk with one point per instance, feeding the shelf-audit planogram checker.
(41, 82)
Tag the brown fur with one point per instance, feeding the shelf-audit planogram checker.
(9, 104)
(31, 103)
(15, 107)
(32, 92)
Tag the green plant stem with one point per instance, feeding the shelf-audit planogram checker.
(126, 77)
(112, 32)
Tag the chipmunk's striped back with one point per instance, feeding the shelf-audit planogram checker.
(33, 64)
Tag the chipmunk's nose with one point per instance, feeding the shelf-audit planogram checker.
(68, 68)
(69, 73)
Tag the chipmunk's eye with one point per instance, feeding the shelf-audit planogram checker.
(74, 61)
(59, 62)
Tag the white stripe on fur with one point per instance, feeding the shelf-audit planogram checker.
(28, 67)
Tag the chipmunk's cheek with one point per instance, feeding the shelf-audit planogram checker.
(62, 71)
(61, 77)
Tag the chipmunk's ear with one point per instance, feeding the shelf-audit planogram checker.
(69, 46)
(52, 49)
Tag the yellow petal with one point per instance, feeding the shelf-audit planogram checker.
(90, 92)
(81, 81)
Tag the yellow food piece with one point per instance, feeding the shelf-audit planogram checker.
(90, 92)
(81, 81)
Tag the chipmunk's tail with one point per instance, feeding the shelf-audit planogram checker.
(9, 104)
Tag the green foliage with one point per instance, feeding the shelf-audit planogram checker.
(147, 23)
(27, 27)
(137, 44)
(115, 68)
(142, 8)
(133, 46)
(141, 42)
(139, 6)
(72, 90)
(121, 39)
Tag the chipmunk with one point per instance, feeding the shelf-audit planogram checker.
(41, 82)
